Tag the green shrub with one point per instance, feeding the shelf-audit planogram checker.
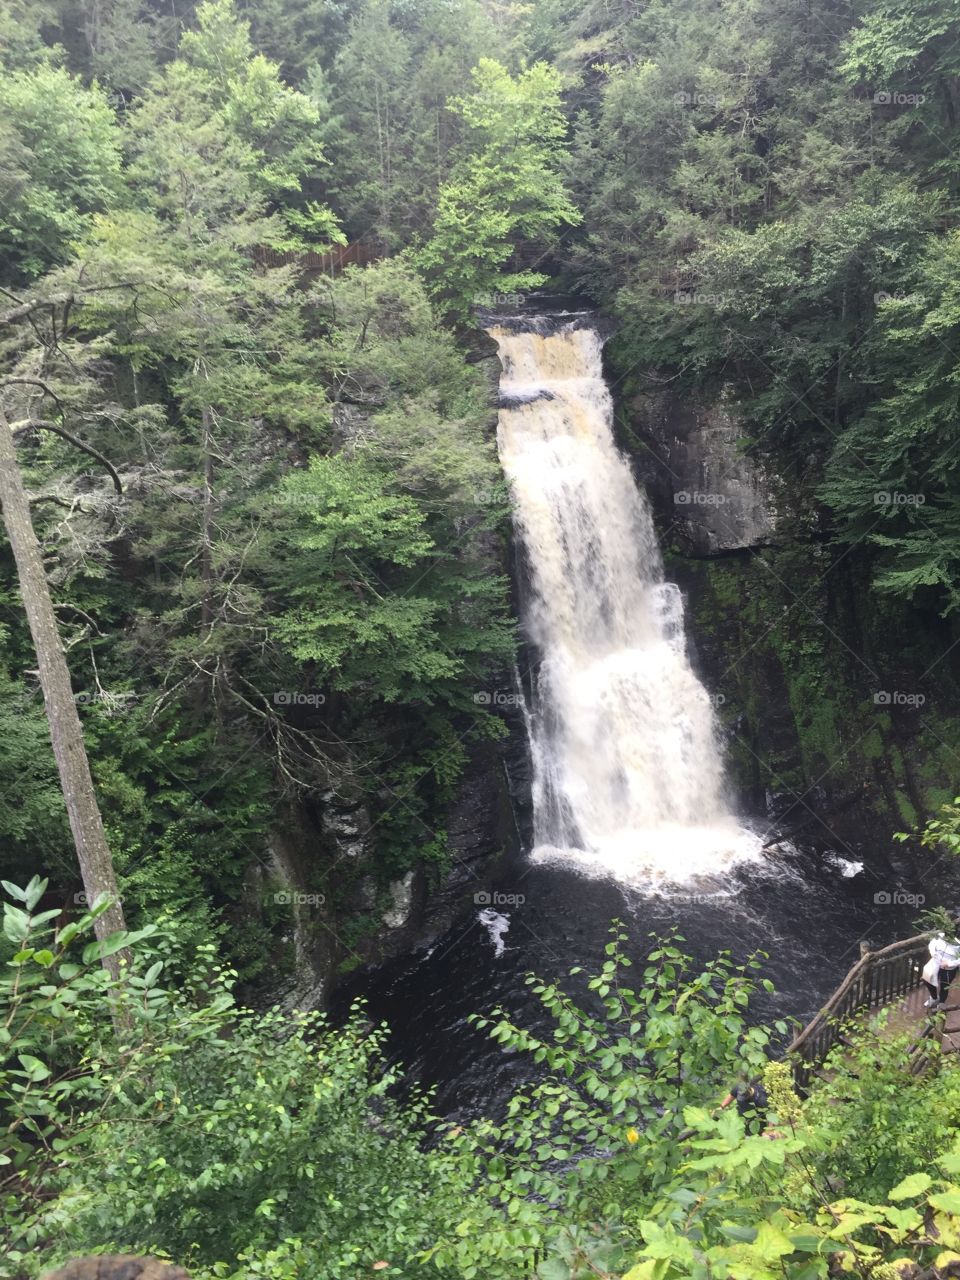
(196, 1128)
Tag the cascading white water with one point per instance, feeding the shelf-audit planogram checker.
(627, 771)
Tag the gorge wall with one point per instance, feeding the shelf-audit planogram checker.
(342, 909)
(839, 706)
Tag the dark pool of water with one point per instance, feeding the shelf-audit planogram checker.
(797, 907)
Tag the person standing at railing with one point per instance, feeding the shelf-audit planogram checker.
(941, 969)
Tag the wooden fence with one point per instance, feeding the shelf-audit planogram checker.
(877, 979)
(317, 264)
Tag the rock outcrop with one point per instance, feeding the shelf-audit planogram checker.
(114, 1266)
(821, 686)
(694, 464)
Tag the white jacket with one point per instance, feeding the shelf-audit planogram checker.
(946, 955)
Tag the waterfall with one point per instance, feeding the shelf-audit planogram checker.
(628, 778)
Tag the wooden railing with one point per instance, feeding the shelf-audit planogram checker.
(877, 979)
(315, 264)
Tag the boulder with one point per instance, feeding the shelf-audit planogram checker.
(117, 1266)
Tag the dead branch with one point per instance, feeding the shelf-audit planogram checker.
(74, 505)
(54, 300)
(35, 382)
(43, 424)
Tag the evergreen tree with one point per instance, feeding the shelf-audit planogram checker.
(506, 187)
(59, 164)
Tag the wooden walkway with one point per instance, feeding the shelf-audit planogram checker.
(910, 1015)
(886, 979)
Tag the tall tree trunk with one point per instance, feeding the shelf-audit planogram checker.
(93, 852)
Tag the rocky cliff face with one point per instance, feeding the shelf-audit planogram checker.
(719, 498)
(339, 913)
(838, 706)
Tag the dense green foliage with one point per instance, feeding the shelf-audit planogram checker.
(60, 157)
(277, 632)
(266, 1144)
(505, 187)
(202, 1129)
(239, 648)
(768, 194)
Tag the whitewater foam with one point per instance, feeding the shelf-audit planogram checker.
(628, 778)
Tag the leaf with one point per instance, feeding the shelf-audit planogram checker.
(913, 1185)
(848, 1223)
(742, 1234)
(696, 1117)
(36, 1069)
(651, 1269)
(109, 946)
(16, 923)
(771, 1243)
(903, 1219)
(34, 892)
(947, 1201)
(43, 916)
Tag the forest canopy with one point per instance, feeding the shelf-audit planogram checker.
(252, 496)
